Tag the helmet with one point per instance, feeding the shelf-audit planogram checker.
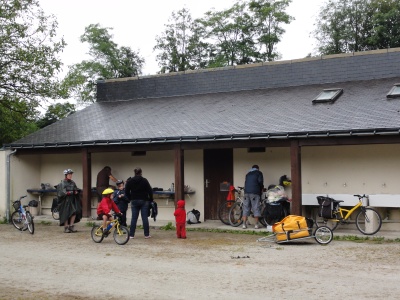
(107, 191)
(68, 171)
(119, 182)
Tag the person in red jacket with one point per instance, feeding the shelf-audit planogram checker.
(105, 206)
(180, 218)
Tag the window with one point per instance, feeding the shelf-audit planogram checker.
(328, 95)
(394, 92)
(255, 149)
(138, 153)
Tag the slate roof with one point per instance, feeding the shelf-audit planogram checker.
(275, 113)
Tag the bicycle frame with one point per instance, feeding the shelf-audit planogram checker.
(349, 212)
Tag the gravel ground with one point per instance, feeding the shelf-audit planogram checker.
(207, 265)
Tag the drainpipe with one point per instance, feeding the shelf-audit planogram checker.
(8, 198)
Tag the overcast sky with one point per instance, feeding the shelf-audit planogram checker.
(137, 23)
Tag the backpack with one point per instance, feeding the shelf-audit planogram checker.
(193, 216)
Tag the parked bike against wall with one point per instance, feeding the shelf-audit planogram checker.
(368, 220)
(21, 218)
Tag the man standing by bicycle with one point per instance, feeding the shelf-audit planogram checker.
(253, 188)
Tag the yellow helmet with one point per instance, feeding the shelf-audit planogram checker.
(107, 191)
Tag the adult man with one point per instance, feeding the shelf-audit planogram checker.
(253, 188)
(103, 181)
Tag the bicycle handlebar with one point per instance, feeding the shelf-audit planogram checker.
(361, 196)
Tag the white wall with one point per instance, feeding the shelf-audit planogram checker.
(3, 184)
(342, 171)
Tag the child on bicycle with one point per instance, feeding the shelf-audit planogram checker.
(180, 218)
(104, 208)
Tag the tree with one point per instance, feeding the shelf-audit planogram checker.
(181, 46)
(357, 25)
(268, 16)
(231, 32)
(108, 61)
(56, 112)
(29, 65)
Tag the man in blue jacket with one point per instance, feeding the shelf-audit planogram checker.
(253, 188)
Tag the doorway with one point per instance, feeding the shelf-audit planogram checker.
(218, 168)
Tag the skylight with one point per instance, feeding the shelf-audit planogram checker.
(328, 95)
(394, 92)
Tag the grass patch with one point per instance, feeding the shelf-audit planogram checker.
(3, 220)
(90, 224)
(47, 223)
(365, 239)
(169, 226)
(248, 232)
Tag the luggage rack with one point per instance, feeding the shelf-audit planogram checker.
(322, 234)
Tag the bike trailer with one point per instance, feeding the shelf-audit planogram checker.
(292, 227)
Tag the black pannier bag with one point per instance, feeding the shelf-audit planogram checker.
(326, 207)
(274, 211)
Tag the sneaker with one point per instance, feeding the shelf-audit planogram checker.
(244, 226)
(71, 229)
(131, 237)
(67, 230)
(256, 226)
(147, 237)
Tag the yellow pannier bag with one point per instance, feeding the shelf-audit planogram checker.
(291, 227)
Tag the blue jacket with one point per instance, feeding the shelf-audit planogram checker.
(254, 183)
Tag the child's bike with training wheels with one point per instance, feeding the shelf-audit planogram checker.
(21, 218)
(120, 234)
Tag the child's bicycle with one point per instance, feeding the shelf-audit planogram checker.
(120, 234)
(368, 220)
(21, 218)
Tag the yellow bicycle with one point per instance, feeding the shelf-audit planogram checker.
(120, 234)
(368, 220)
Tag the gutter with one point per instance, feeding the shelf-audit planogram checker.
(213, 138)
(8, 197)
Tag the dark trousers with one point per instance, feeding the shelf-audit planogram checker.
(143, 207)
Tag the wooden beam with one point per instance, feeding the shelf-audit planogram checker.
(295, 161)
(87, 183)
(179, 173)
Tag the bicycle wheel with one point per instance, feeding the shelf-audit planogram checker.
(235, 214)
(223, 211)
(31, 225)
(332, 224)
(56, 214)
(17, 220)
(323, 235)
(121, 235)
(97, 234)
(368, 221)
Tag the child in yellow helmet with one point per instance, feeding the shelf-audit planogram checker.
(105, 206)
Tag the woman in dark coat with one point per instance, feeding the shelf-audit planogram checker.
(69, 204)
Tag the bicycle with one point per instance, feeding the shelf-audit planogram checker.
(21, 218)
(236, 210)
(121, 233)
(368, 220)
(54, 209)
(223, 211)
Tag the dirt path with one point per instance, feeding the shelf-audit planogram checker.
(54, 265)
